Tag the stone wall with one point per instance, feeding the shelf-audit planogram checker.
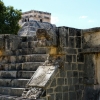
(91, 51)
(78, 79)
(68, 83)
(9, 44)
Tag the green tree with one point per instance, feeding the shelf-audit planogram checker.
(9, 18)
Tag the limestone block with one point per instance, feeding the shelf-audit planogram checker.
(1, 43)
(32, 66)
(72, 32)
(4, 59)
(11, 66)
(31, 44)
(24, 44)
(91, 39)
(78, 42)
(19, 52)
(25, 74)
(15, 43)
(37, 57)
(8, 74)
(89, 69)
(63, 36)
(13, 59)
(71, 42)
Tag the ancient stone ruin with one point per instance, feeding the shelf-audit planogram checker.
(45, 62)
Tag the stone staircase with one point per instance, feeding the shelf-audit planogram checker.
(17, 67)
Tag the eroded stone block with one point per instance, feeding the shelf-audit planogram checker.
(42, 76)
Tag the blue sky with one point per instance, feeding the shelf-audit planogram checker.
(72, 13)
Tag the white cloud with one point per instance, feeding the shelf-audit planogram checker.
(54, 20)
(90, 21)
(83, 17)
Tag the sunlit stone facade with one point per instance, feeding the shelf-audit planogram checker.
(35, 15)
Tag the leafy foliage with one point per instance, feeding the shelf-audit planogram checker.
(9, 18)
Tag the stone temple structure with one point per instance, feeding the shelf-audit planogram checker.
(35, 15)
(45, 62)
(29, 28)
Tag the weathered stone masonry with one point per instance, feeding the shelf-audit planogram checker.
(78, 79)
(91, 51)
(68, 83)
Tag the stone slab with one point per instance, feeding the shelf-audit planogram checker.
(42, 75)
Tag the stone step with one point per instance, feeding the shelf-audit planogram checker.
(25, 51)
(11, 91)
(36, 57)
(33, 50)
(27, 66)
(8, 74)
(31, 66)
(31, 58)
(29, 44)
(23, 58)
(32, 44)
(11, 67)
(16, 74)
(25, 74)
(20, 83)
(8, 97)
